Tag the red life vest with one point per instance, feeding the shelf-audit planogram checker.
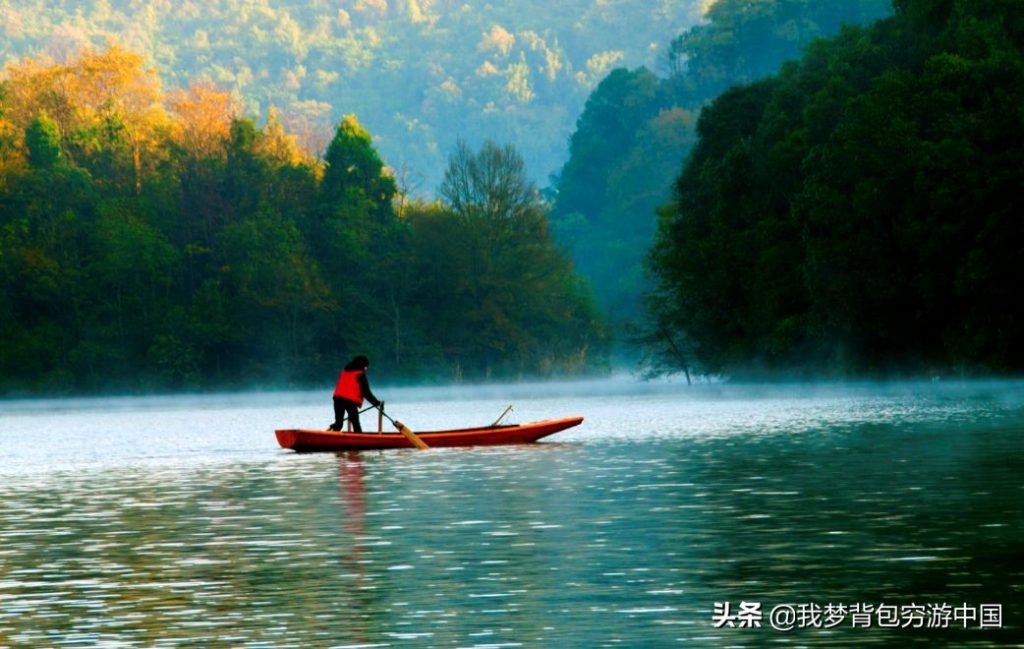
(348, 386)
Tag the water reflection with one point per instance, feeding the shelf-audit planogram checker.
(624, 534)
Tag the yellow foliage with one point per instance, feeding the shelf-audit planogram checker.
(599, 64)
(276, 144)
(11, 156)
(451, 88)
(553, 64)
(487, 69)
(95, 91)
(86, 90)
(379, 6)
(415, 13)
(518, 84)
(204, 118)
(11, 22)
(91, 91)
(498, 39)
(311, 123)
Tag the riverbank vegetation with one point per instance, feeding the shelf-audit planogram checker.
(858, 212)
(637, 128)
(161, 240)
(850, 212)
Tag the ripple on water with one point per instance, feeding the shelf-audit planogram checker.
(625, 531)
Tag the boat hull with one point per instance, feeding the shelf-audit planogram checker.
(305, 440)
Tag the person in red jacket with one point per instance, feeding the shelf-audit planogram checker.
(349, 393)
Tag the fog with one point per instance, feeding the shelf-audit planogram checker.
(617, 386)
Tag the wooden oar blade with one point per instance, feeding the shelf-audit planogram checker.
(411, 436)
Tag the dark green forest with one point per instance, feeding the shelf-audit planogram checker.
(637, 128)
(857, 213)
(153, 242)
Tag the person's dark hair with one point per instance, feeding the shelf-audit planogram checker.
(358, 363)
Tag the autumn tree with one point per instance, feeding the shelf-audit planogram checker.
(203, 115)
(107, 104)
(151, 248)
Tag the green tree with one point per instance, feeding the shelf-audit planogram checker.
(356, 235)
(516, 305)
(637, 129)
(129, 277)
(215, 254)
(46, 213)
(42, 140)
(355, 184)
(834, 218)
(278, 296)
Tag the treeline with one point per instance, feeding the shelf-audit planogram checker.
(510, 71)
(154, 240)
(860, 211)
(638, 126)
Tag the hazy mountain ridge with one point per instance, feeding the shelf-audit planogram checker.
(419, 73)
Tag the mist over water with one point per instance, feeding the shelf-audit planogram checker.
(170, 521)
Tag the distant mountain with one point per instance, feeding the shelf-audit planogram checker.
(420, 74)
(638, 127)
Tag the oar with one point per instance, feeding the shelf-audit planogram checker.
(405, 430)
(498, 420)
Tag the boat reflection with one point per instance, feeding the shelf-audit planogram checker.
(352, 506)
(353, 494)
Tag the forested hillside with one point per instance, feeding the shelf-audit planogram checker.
(420, 74)
(639, 125)
(860, 212)
(153, 240)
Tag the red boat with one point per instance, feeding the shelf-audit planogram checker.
(303, 440)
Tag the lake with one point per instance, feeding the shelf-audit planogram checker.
(710, 515)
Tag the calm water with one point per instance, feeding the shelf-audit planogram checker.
(178, 522)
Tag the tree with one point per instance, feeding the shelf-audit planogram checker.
(47, 212)
(227, 257)
(278, 294)
(204, 114)
(355, 236)
(355, 184)
(834, 218)
(605, 132)
(107, 105)
(636, 130)
(42, 141)
(516, 304)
